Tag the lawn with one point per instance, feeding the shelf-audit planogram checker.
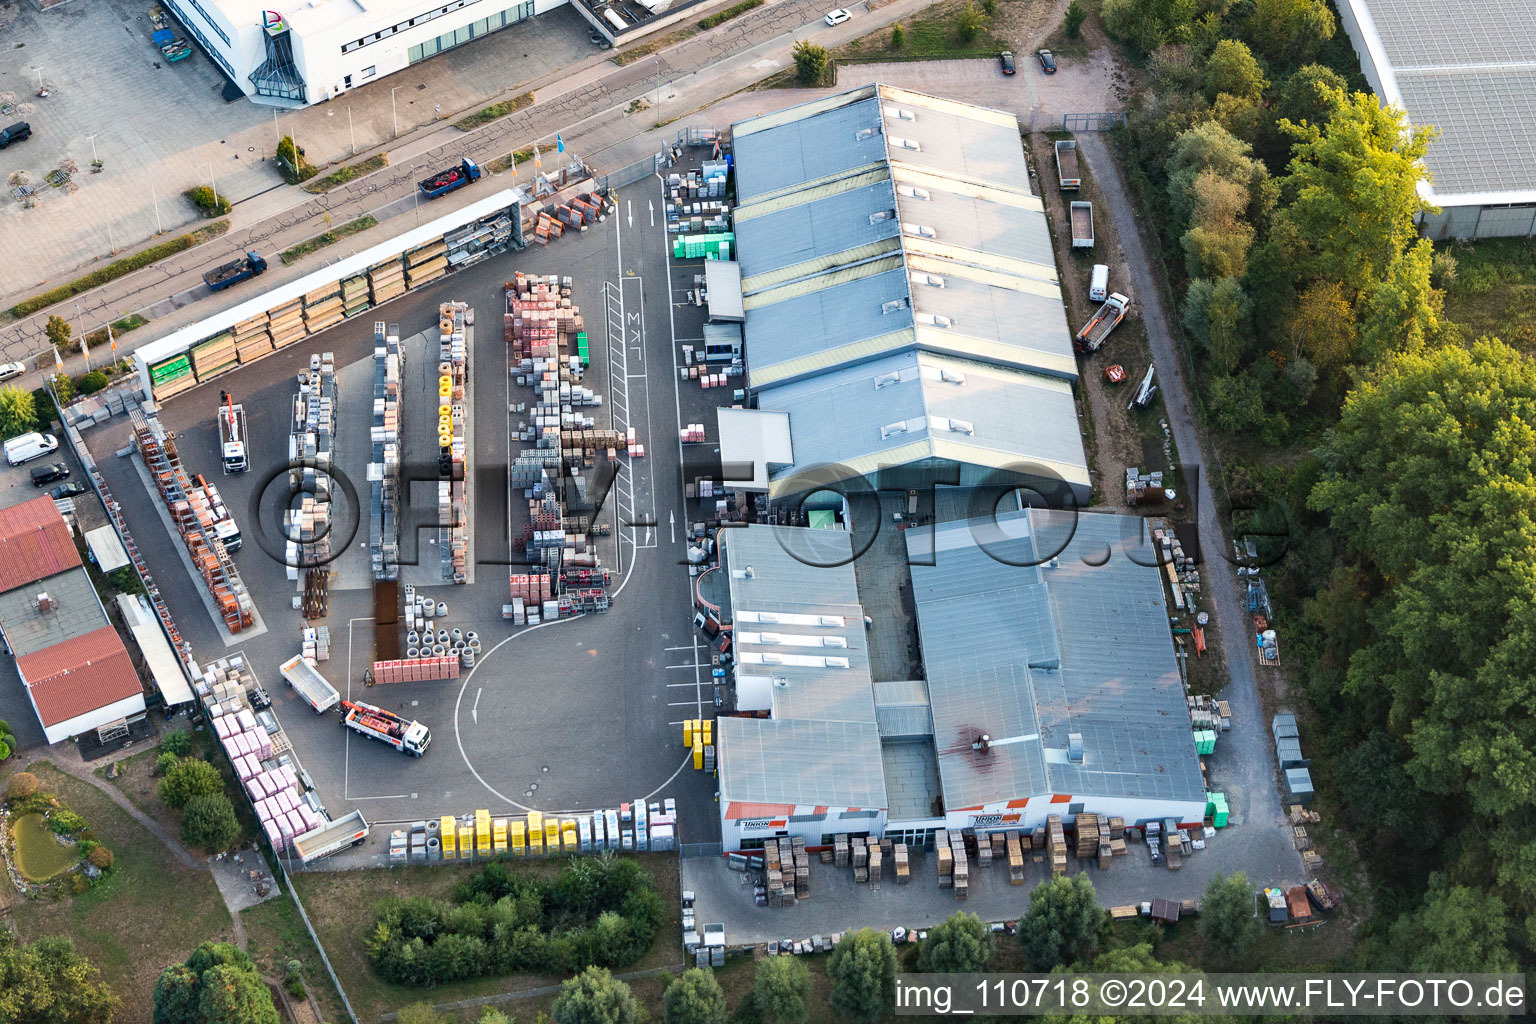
(342, 175)
(326, 238)
(1494, 291)
(494, 112)
(933, 35)
(148, 915)
(274, 935)
(340, 903)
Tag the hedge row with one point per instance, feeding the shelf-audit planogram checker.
(118, 268)
(721, 17)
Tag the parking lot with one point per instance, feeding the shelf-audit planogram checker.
(566, 715)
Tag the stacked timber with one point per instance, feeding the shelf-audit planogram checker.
(286, 323)
(1056, 844)
(1087, 830)
(386, 280)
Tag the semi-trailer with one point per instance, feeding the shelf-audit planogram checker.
(350, 830)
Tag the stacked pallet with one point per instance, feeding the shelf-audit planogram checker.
(876, 864)
(984, 846)
(962, 869)
(860, 861)
(802, 862)
(840, 857)
(1056, 844)
(453, 493)
(384, 470)
(386, 280)
(426, 263)
(778, 858)
(214, 356)
(253, 339)
(323, 308)
(414, 670)
(354, 295)
(903, 866)
(1014, 849)
(171, 377)
(1087, 829)
(287, 323)
(945, 858)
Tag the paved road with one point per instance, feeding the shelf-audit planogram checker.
(587, 108)
(1249, 776)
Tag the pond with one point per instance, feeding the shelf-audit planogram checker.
(39, 856)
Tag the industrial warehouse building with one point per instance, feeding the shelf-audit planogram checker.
(1470, 71)
(316, 51)
(73, 665)
(901, 297)
(1052, 685)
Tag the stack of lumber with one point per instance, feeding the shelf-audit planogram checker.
(214, 356)
(354, 294)
(252, 339)
(322, 308)
(386, 280)
(287, 323)
(426, 263)
(1056, 844)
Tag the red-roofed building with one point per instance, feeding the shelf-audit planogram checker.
(76, 671)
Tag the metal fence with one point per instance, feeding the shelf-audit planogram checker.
(1101, 121)
(636, 171)
(688, 850)
(304, 916)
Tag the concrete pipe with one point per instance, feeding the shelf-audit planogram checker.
(442, 636)
(460, 645)
(412, 638)
(434, 847)
(467, 659)
(442, 609)
(471, 635)
(457, 634)
(474, 645)
(439, 651)
(413, 652)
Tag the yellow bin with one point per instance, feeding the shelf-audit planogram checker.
(687, 732)
(569, 842)
(535, 834)
(698, 751)
(499, 834)
(552, 834)
(708, 726)
(466, 842)
(518, 836)
(447, 828)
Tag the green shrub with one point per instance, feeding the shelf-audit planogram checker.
(898, 36)
(1076, 15)
(90, 383)
(969, 21)
(989, 7)
(207, 202)
(65, 822)
(178, 743)
(209, 822)
(21, 786)
(101, 857)
(164, 763)
(291, 163)
(811, 62)
(721, 17)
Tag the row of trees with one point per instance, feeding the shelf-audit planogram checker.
(218, 984)
(195, 788)
(598, 910)
(1406, 482)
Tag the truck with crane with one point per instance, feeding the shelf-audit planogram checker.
(1096, 331)
(448, 179)
(232, 434)
(235, 271)
(307, 681)
(386, 726)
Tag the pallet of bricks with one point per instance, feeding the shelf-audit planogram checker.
(1056, 844)
(453, 496)
(416, 670)
(531, 594)
(195, 509)
(286, 323)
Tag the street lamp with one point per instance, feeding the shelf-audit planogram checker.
(92, 137)
(416, 195)
(392, 116)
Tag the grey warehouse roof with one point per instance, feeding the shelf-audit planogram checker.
(881, 221)
(915, 405)
(796, 619)
(1028, 653)
(77, 611)
(1469, 69)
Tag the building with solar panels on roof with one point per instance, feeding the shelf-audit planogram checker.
(1468, 69)
(1050, 685)
(901, 298)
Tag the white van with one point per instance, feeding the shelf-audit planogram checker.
(29, 446)
(1098, 284)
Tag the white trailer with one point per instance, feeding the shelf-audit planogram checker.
(316, 690)
(330, 837)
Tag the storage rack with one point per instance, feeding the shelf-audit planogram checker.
(193, 508)
(453, 488)
(384, 470)
(312, 441)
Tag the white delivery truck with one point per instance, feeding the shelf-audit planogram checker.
(29, 446)
(1098, 284)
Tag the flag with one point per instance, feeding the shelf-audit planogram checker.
(514, 165)
(58, 360)
(113, 342)
(539, 164)
(559, 143)
(83, 350)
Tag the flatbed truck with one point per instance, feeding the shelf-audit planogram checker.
(350, 830)
(307, 681)
(445, 181)
(1067, 174)
(1082, 225)
(235, 271)
(386, 727)
(232, 434)
(1096, 331)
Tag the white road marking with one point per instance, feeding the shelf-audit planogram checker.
(474, 712)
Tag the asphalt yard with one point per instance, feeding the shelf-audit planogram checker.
(567, 715)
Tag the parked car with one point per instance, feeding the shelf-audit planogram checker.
(838, 16)
(1047, 62)
(1005, 61)
(68, 490)
(49, 473)
(15, 133)
(9, 370)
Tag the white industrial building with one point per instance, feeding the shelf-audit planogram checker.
(1468, 69)
(1051, 685)
(901, 298)
(319, 49)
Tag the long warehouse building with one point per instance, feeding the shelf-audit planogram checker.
(1052, 685)
(1469, 70)
(901, 297)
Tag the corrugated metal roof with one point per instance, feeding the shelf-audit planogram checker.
(822, 745)
(986, 229)
(796, 151)
(34, 542)
(815, 230)
(1028, 654)
(854, 412)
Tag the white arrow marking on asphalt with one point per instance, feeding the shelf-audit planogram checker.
(631, 204)
(653, 211)
(474, 712)
(672, 527)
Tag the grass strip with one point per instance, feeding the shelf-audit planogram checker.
(496, 111)
(118, 268)
(342, 175)
(721, 17)
(326, 238)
